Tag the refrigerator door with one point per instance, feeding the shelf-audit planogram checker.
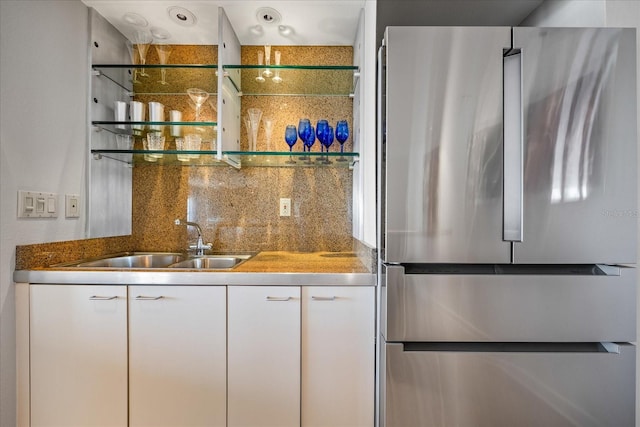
(548, 307)
(442, 145)
(494, 389)
(579, 100)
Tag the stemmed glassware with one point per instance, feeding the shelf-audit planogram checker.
(267, 61)
(310, 140)
(291, 137)
(342, 134)
(260, 79)
(321, 125)
(328, 140)
(255, 114)
(135, 59)
(268, 130)
(163, 50)
(142, 40)
(277, 78)
(198, 96)
(304, 127)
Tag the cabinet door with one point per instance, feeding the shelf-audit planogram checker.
(338, 350)
(78, 339)
(177, 357)
(264, 356)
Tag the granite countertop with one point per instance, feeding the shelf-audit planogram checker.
(302, 262)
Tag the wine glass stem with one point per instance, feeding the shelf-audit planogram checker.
(163, 72)
(197, 113)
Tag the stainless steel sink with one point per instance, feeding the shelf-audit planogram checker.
(141, 260)
(213, 262)
(220, 261)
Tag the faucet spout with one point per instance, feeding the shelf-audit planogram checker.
(199, 247)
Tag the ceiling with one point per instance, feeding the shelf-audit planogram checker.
(301, 22)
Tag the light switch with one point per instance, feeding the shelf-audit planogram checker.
(285, 207)
(37, 204)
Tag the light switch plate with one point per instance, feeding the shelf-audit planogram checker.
(37, 204)
(71, 206)
(285, 207)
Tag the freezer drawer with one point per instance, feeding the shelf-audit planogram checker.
(508, 307)
(493, 389)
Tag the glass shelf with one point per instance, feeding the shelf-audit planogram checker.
(179, 78)
(236, 159)
(141, 128)
(297, 80)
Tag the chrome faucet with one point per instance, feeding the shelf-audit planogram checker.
(199, 247)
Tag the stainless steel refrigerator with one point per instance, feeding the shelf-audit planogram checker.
(508, 226)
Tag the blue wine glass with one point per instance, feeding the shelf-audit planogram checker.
(328, 140)
(304, 126)
(342, 134)
(320, 127)
(291, 137)
(310, 140)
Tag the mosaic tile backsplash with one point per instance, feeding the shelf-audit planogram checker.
(239, 209)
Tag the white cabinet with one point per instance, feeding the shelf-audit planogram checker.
(78, 344)
(338, 347)
(264, 356)
(177, 355)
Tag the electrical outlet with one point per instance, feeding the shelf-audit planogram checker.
(285, 207)
(72, 206)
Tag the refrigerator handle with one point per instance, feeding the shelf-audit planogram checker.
(513, 147)
(380, 134)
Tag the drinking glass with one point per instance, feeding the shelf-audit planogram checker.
(304, 126)
(268, 131)
(142, 40)
(135, 59)
(267, 61)
(192, 142)
(255, 114)
(321, 125)
(328, 140)
(260, 79)
(247, 125)
(277, 78)
(198, 96)
(291, 137)
(155, 142)
(163, 50)
(342, 134)
(310, 140)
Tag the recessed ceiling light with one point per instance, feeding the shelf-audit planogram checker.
(135, 19)
(160, 33)
(182, 16)
(268, 15)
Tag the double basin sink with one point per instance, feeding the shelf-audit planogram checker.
(165, 260)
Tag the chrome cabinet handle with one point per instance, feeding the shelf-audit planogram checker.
(318, 298)
(100, 298)
(278, 298)
(144, 298)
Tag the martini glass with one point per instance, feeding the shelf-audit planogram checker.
(163, 50)
(342, 134)
(291, 137)
(198, 96)
(142, 40)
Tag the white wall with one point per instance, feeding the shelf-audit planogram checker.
(43, 98)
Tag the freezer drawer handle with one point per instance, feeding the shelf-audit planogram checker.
(144, 298)
(317, 298)
(513, 147)
(101, 298)
(278, 298)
